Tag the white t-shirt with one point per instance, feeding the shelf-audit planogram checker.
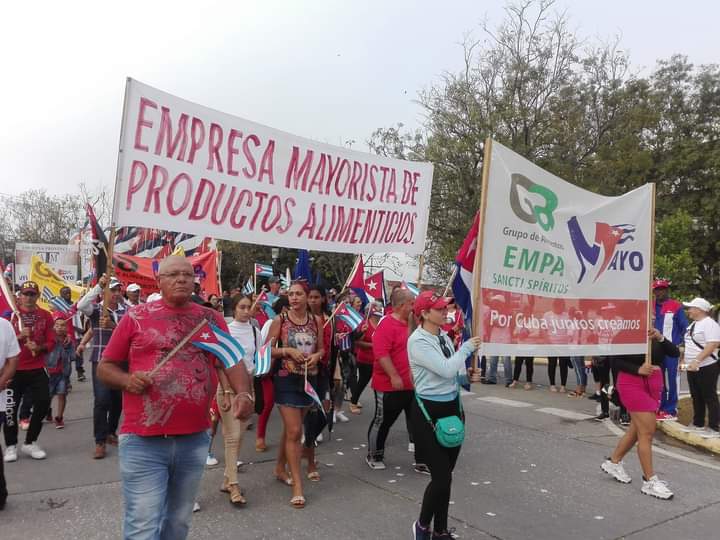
(250, 340)
(9, 347)
(703, 332)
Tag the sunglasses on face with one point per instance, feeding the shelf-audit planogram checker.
(29, 293)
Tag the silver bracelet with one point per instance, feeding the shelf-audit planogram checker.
(247, 395)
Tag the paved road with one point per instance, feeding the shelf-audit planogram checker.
(529, 469)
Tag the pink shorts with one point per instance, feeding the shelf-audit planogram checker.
(638, 393)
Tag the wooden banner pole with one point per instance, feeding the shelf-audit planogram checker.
(109, 270)
(651, 296)
(477, 265)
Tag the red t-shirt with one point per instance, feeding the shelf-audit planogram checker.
(365, 356)
(390, 339)
(178, 402)
(41, 323)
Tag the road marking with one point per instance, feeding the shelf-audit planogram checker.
(680, 457)
(503, 401)
(562, 413)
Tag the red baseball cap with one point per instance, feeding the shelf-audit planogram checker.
(661, 284)
(30, 286)
(429, 300)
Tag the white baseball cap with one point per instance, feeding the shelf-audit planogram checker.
(133, 287)
(154, 297)
(699, 303)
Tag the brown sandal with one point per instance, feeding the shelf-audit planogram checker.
(260, 445)
(298, 501)
(236, 496)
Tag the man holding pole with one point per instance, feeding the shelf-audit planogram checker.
(103, 317)
(164, 438)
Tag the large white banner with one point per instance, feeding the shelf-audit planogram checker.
(63, 258)
(184, 167)
(564, 271)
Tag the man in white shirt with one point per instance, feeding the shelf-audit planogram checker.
(9, 351)
(701, 342)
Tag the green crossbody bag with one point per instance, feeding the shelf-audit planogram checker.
(449, 430)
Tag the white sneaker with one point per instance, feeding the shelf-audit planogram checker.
(33, 450)
(411, 448)
(196, 507)
(693, 429)
(319, 438)
(656, 488)
(710, 434)
(340, 417)
(375, 465)
(10, 454)
(616, 470)
(211, 461)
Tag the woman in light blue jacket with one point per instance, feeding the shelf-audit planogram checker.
(435, 368)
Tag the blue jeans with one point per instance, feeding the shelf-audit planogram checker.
(580, 373)
(160, 480)
(493, 365)
(671, 380)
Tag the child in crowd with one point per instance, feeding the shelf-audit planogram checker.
(58, 367)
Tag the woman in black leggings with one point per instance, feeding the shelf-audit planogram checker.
(435, 367)
(564, 362)
(529, 367)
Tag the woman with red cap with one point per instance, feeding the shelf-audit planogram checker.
(437, 416)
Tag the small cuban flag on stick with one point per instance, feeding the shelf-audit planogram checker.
(226, 348)
(349, 316)
(263, 360)
(263, 270)
(410, 287)
(248, 287)
(310, 391)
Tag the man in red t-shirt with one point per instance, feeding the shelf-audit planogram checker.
(164, 438)
(34, 331)
(391, 378)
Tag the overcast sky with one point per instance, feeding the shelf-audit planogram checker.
(331, 70)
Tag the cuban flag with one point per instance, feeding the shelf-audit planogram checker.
(222, 345)
(263, 270)
(375, 287)
(356, 281)
(462, 284)
(349, 316)
(263, 360)
(410, 287)
(248, 287)
(343, 341)
(266, 300)
(58, 302)
(310, 391)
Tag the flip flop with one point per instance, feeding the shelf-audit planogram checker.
(298, 501)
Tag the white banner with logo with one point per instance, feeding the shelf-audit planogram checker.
(564, 271)
(63, 258)
(187, 168)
